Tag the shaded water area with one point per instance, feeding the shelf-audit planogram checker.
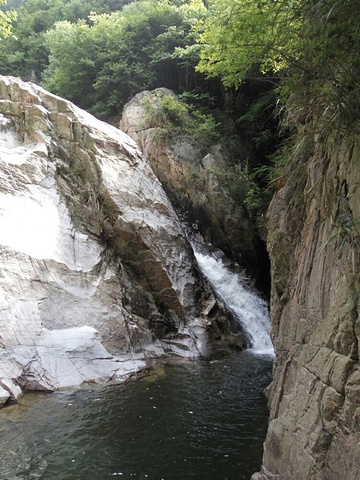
(201, 420)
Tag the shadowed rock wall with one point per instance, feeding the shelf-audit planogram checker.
(314, 246)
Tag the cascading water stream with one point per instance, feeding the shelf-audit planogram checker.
(250, 309)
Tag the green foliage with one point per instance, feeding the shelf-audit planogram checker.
(313, 45)
(12, 4)
(238, 34)
(198, 180)
(206, 127)
(131, 50)
(173, 117)
(169, 114)
(134, 51)
(73, 58)
(257, 120)
(324, 87)
(25, 54)
(256, 197)
(279, 166)
(346, 231)
(101, 61)
(6, 19)
(175, 111)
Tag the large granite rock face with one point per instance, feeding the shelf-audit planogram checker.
(96, 272)
(200, 184)
(314, 245)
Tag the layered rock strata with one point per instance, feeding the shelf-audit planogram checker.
(96, 272)
(314, 245)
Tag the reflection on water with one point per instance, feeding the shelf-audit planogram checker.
(203, 421)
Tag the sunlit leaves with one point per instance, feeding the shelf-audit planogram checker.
(6, 19)
(72, 60)
(238, 34)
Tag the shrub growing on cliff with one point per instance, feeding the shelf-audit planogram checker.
(346, 231)
(173, 117)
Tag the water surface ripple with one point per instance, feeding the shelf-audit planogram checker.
(203, 421)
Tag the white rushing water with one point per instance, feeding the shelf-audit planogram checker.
(248, 306)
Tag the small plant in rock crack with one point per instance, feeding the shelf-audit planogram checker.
(345, 232)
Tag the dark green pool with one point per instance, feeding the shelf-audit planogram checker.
(203, 421)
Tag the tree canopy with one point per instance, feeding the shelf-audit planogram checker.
(25, 53)
(101, 62)
(237, 35)
(314, 44)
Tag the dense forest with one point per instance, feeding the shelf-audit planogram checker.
(99, 53)
(242, 68)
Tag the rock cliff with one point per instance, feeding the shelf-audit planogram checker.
(314, 245)
(200, 182)
(96, 272)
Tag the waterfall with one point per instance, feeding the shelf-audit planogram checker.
(250, 309)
